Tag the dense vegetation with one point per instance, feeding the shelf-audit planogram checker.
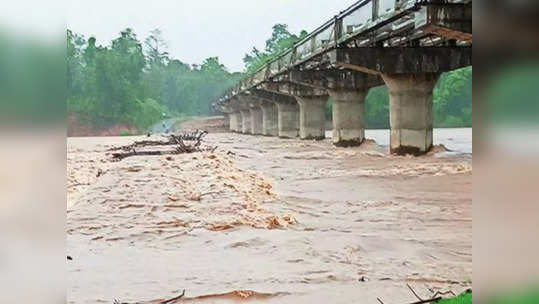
(133, 82)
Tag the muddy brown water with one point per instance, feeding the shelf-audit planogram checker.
(266, 220)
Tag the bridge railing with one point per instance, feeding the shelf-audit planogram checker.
(356, 21)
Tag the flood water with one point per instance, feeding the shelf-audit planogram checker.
(458, 140)
(267, 220)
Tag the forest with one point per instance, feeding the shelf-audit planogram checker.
(136, 82)
(139, 83)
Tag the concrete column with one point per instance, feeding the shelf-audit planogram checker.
(288, 120)
(348, 117)
(239, 122)
(312, 117)
(235, 121)
(270, 119)
(245, 121)
(256, 120)
(410, 112)
(231, 122)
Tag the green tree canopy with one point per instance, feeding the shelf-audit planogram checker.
(281, 40)
(135, 82)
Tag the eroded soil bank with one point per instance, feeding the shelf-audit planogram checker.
(266, 220)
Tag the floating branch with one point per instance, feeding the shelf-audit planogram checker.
(169, 301)
(173, 139)
(435, 298)
(178, 140)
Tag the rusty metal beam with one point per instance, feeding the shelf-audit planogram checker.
(448, 21)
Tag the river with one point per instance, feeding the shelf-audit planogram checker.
(266, 220)
(458, 140)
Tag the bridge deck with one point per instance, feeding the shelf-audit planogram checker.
(370, 23)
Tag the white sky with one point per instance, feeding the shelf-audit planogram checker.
(197, 29)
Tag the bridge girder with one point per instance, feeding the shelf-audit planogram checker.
(402, 60)
(293, 89)
(238, 103)
(333, 79)
(271, 96)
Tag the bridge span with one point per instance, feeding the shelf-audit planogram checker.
(404, 44)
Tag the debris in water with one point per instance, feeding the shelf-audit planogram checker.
(169, 301)
(173, 140)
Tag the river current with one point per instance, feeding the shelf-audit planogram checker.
(267, 220)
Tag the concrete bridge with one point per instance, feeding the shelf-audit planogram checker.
(404, 44)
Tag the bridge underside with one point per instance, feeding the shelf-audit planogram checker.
(407, 52)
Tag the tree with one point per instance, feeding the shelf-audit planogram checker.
(133, 82)
(281, 40)
(155, 47)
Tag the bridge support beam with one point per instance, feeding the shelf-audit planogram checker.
(348, 117)
(235, 121)
(410, 112)
(245, 121)
(256, 120)
(270, 119)
(402, 60)
(288, 120)
(312, 119)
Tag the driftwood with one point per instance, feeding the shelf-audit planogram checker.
(178, 140)
(435, 298)
(169, 301)
(183, 149)
(172, 139)
(444, 293)
(418, 302)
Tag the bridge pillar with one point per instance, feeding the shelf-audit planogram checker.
(312, 118)
(256, 120)
(245, 121)
(410, 112)
(270, 119)
(288, 120)
(348, 116)
(232, 122)
(235, 121)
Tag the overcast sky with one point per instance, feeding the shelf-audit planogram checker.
(197, 29)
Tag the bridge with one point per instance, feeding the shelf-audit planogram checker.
(404, 44)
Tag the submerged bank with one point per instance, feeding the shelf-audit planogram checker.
(267, 220)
